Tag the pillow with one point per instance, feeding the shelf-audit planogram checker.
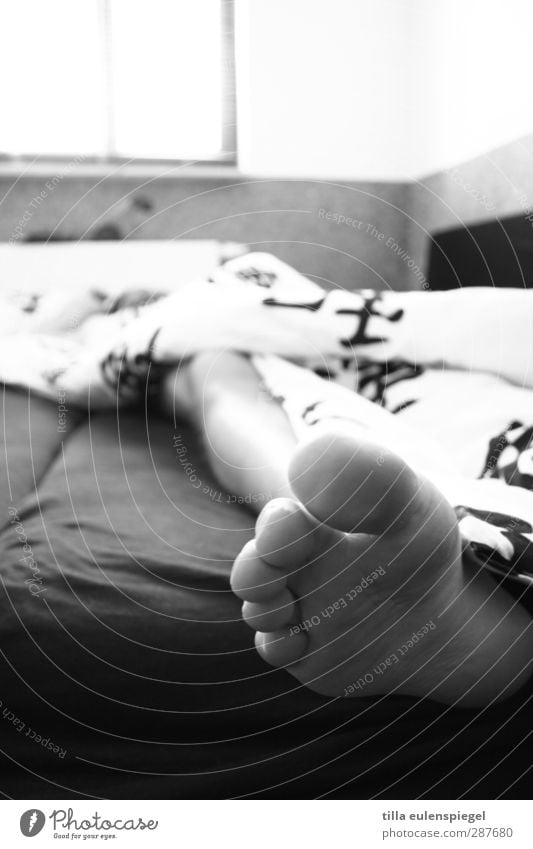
(116, 265)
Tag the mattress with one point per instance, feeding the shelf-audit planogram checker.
(126, 671)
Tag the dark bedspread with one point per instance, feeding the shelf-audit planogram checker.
(128, 655)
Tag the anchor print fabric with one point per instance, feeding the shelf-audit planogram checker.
(442, 378)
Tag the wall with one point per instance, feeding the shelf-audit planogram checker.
(497, 184)
(470, 73)
(469, 78)
(298, 220)
(386, 90)
(321, 88)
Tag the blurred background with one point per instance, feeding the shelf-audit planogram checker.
(385, 144)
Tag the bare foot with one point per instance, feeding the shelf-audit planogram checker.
(357, 586)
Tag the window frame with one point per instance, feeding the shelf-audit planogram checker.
(227, 157)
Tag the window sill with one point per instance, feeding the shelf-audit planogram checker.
(75, 170)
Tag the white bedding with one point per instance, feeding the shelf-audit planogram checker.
(110, 265)
(455, 367)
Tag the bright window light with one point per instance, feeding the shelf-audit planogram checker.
(167, 77)
(51, 77)
(139, 79)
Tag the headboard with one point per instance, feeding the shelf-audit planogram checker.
(492, 253)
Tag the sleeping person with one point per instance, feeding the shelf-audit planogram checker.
(383, 438)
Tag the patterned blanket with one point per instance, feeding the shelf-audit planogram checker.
(444, 379)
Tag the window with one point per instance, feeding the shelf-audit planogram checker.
(117, 79)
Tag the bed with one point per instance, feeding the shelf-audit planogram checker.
(126, 671)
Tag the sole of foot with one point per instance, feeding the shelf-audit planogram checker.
(358, 586)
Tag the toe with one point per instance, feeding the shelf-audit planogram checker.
(281, 648)
(356, 486)
(253, 579)
(285, 534)
(271, 615)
